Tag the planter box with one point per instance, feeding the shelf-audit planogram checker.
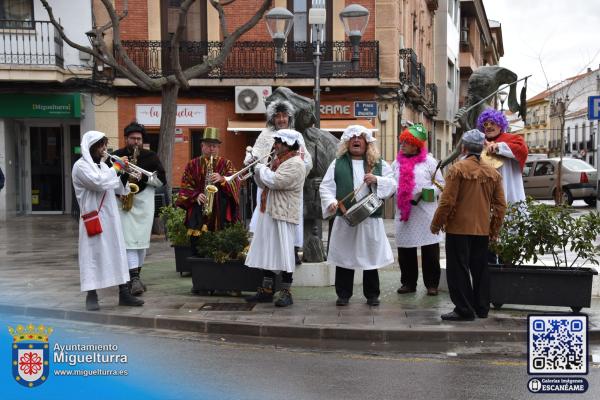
(208, 275)
(541, 286)
(182, 253)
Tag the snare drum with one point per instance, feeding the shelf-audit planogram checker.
(362, 210)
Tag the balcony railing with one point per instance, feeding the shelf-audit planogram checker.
(30, 43)
(253, 59)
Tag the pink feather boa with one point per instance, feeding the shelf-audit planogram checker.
(406, 181)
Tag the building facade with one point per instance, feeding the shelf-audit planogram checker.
(42, 112)
(542, 130)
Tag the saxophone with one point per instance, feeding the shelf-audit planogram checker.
(209, 189)
(133, 187)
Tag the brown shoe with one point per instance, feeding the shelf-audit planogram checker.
(432, 291)
(406, 289)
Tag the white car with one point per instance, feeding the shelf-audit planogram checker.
(579, 180)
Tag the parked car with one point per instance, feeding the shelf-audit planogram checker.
(579, 180)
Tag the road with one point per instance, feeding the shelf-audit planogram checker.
(178, 365)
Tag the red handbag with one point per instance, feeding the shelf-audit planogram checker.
(91, 220)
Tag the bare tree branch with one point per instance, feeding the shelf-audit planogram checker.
(149, 83)
(222, 21)
(104, 55)
(228, 43)
(176, 40)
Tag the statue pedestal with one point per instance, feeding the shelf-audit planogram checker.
(319, 275)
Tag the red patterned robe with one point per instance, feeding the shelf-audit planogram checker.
(226, 200)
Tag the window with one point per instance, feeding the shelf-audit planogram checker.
(16, 14)
(527, 169)
(196, 30)
(543, 168)
(450, 75)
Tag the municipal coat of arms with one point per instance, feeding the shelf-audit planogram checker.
(30, 354)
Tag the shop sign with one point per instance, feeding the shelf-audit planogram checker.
(365, 109)
(336, 110)
(187, 114)
(15, 105)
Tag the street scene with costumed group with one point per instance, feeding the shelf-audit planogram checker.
(317, 199)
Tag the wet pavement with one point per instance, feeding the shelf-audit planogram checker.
(39, 276)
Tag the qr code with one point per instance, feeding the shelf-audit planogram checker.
(557, 344)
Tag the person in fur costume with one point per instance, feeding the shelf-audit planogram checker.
(416, 202)
(280, 115)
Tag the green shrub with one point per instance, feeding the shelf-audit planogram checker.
(174, 218)
(230, 243)
(532, 229)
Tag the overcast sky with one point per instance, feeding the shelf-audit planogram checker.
(560, 36)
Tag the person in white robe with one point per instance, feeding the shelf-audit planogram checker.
(416, 201)
(280, 115)
(509, 148)
(358, 167)
(272, 246)
(102, 258)
(137, 221)
(512, 150)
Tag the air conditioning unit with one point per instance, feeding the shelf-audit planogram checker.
(251, 99)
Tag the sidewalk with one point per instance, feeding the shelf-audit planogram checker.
(40, 278)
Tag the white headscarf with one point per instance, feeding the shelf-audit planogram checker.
(87, 141)
(289, 136)
(357, 130)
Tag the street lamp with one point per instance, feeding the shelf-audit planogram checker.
(502, 96)
(279, 24)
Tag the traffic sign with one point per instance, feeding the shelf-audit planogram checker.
(366, 109)
(594, 107)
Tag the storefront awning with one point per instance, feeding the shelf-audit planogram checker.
(338, 125)
(331, 125)
(245, 126)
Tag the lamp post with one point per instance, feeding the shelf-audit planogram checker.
(279, 23)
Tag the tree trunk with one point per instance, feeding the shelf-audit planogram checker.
(167, 132)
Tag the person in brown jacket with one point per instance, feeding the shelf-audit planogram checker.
(470, 211)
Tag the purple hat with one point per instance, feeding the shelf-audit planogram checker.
(495, 116)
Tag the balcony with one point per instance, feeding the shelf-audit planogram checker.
(249, 60)
(431, 99)
(30, 43)
(412, 79)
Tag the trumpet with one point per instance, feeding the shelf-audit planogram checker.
(132, 169)
(247, 172)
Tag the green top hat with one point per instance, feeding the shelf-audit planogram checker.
(211, 135)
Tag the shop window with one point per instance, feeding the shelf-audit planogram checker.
(196, 148)
(151, 141)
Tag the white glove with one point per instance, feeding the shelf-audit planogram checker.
(249, 158)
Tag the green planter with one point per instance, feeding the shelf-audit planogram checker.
(541, 286)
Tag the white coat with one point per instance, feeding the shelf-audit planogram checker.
(262, 147)
(102, 258)
(364, 246)
(416, 231)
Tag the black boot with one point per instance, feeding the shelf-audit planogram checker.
(137, 287)
(91, 301)
(263, 294)
(296, 256)
(126, 299)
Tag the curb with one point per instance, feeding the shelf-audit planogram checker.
(271, 331)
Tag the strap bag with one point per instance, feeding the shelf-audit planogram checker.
(91, 220)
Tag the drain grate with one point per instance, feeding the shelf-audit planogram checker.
(227, 307)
